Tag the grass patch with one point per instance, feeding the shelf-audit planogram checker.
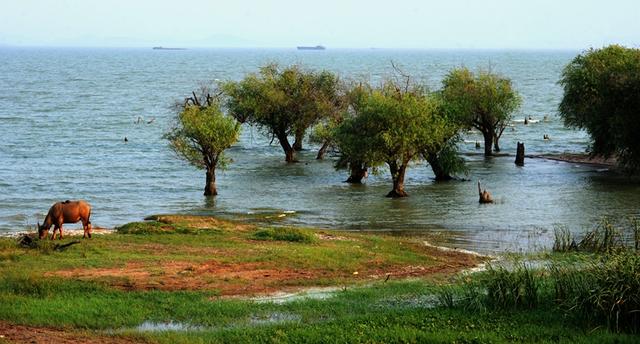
(600, 293)
(605, 236)
(117, 282)
(284, 234)
(155, 227)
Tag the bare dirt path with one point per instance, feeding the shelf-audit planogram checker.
(31, 334)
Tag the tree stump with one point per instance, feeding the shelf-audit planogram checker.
(520, 154)
(485, 196)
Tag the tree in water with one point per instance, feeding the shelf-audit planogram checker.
(395, 123)
(485, 101)
(446, 162)
(283, 102)
(602, 96)
(323, 133)
(201, 135)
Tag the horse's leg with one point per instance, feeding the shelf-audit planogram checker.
(60, 232)
(53, 235)
(85, 226)
(89, 228)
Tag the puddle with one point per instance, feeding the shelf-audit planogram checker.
(274, 318)
(151, 326)
(427, 301)
(307, 294)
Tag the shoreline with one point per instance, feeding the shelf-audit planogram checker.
(578, 158)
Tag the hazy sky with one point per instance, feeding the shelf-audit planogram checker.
(555, 24)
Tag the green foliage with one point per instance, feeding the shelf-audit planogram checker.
(601, 88)
(447, 162)
(154, 227)
(603, 291)
(392, 124)
(499, 288)
(284, 234)
(202, 134)
(283, 101)
(606, 292)
(484, 101)
(603, 237)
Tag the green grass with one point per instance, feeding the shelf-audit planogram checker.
(605, 236)
(363, 309)
(284, 234)
(599, 291)
(383, 312)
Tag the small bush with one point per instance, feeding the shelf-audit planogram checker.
(502, 288)
(284, 234)
(563, 240)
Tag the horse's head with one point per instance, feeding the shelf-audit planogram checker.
(42, 231)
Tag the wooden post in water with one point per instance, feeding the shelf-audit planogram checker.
(520, 154)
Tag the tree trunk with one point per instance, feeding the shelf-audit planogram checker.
(438, 170)
(322, 150)
(358, 172)
(286, 147)
(297, 144)
(397, 174)
(210, 184)
(488, 143)
(496, 146)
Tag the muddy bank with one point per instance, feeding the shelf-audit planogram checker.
(34, 334)
(577, 158)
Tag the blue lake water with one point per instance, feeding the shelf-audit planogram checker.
(65, 112)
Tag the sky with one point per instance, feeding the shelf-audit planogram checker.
(410, 24)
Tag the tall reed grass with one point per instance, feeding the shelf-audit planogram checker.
(605, 236)
(604, 292)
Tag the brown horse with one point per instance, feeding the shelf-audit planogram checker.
(66, 212)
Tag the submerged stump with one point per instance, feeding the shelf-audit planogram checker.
(520, 154)
(485, 196)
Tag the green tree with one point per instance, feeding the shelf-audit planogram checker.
(445, 160)
(345, 105)
(602, 96)
(394, 124)
(485, 101)
(283, 102)
(201, 135)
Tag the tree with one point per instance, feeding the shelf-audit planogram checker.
(446, 161)
(485, 101)
(283, 102)
(393, 126)
(602, 96)
(345, 105)
(201, 135)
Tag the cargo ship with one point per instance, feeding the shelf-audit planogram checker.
(317, 47)
(163, 48)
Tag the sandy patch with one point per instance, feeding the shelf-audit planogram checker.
(32, 334)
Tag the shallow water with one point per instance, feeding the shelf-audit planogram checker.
(65, 112)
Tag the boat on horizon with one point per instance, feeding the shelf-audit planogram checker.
(163, 48)
(317, 47)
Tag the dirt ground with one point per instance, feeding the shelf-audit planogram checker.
(244, 279)
(31, 334)
(580, 159)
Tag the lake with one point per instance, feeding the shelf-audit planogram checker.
(64, 114)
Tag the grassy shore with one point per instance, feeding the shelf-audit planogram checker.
(205, 280)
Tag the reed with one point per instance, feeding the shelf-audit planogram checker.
(604, 237)
(604, 292)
